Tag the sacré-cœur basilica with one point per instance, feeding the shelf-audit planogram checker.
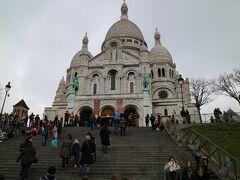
(126, 76)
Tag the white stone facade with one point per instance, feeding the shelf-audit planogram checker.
(113, 79)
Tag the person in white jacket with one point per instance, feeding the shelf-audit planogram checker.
(172, 169)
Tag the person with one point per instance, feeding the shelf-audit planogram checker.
(76, 120)
(188, 117)
(211, 119)
(75, 83)
(27, 156)
(147, 120)
(44, 133)
(50, 175)
(130, 119)
(31, 117)
(183, 114)
(161, 126)
(203, 172)
(66, 118)
(92, 121)
(76, 152)
(116, 122)
(123, 127)
(105, 138)
(86, 155)
(66, 150)
(217, 114)
(93, 146)
(172, 169)
(152, 119)
(188, 172)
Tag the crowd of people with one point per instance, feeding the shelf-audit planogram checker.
(173, 170)
(155, 124)
(84, 152)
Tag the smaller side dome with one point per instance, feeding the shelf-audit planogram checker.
(83, 52)
(159, 53)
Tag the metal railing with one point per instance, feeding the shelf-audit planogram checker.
(224, 165)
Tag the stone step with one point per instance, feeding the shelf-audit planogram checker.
(141, 154)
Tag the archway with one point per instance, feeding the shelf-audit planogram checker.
(107, 111)
(131, 115)
(107, 114)
(84, 116)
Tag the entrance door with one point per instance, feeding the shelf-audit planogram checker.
(84, 116)
(131, 115)
(107, 116)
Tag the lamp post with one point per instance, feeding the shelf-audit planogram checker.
(7, 89)
(181, 82)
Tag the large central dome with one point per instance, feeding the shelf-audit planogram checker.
(124, 27)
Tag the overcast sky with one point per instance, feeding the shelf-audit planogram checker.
(39, 38)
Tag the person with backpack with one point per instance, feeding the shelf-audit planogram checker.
(27, 157)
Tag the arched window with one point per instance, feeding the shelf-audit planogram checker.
(152, 74)
(159, 72)
(113, 79)
(95, 89)
(170, 73)
(131, 76)
(163, 72)
(114, 51)
(131, 87)
(95, 77)
(165, 112)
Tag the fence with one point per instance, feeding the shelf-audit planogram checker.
(223, 164)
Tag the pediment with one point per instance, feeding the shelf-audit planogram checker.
(97, 60)
(129, 56)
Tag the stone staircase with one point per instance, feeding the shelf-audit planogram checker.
(140, 155)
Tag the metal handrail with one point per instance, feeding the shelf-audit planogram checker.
(204, 137)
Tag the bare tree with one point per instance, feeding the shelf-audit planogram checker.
(201, 91)
(229, 84)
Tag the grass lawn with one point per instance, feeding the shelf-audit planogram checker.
(226, 136)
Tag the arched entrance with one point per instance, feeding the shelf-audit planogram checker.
(131, 115)
(107, 114)
(84, 116)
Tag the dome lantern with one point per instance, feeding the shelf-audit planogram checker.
(157, 37)
(124, 11)
(85, 42)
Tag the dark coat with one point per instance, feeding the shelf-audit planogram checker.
(86, 152)
(26, 151)
(105, 136)
(66, 149)
(185, 175)
(76, 149)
